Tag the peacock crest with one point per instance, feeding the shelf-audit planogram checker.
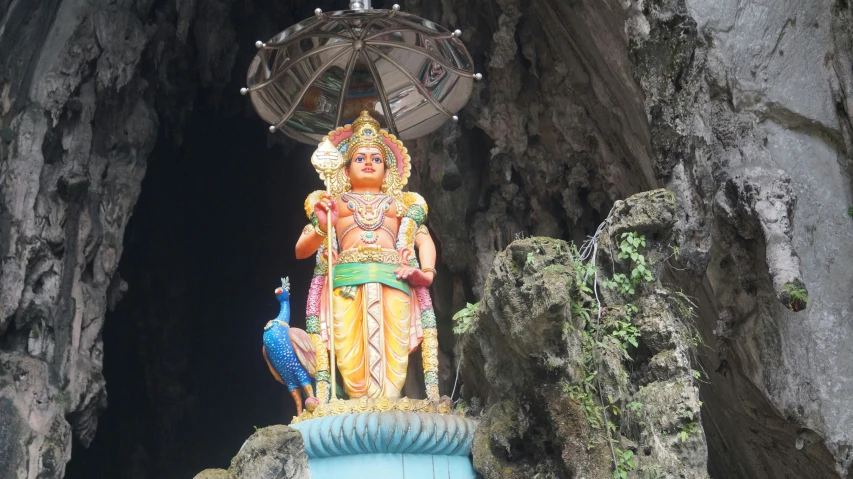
(285, 284)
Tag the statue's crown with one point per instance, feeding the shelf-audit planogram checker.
(365, 134)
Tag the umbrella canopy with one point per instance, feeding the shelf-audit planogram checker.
(410, 74)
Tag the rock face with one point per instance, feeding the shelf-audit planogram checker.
(742, 109)
(551, 374)
(762, 173)
(750, 113)
(76, 136)
(275, 452)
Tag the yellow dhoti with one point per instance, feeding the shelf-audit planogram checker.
(372, 340)
(376, 326)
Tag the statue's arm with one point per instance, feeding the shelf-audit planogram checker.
(426, 248)
(415, 214)
(309, 242)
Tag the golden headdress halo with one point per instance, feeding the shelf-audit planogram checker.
(350, 138)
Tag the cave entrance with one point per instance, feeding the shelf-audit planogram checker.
(213, 231)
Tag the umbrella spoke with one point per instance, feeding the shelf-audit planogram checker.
(278, 46)
(348, 27)
(297, 35)
(403, 22)
(417, 84)
(426, 53)
(287, 66)
(370, 24)
(304, 32)
(344, 87)
(307, 85)
(383, 96)
(432, 34)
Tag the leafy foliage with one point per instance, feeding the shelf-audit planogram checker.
(625, 463)
(625, 332)
(464, 318)
(798, 297)
(629, 248)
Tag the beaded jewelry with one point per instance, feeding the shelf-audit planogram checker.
(368, 211)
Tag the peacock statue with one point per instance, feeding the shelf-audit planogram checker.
(289, 353)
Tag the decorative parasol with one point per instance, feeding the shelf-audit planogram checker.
(409, 73)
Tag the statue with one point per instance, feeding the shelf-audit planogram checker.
(369, 306)
(380, 304)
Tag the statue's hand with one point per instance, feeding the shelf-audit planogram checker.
(323, 208)
(414, 276)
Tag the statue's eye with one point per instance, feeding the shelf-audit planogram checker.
(377, 160)
(359, 159)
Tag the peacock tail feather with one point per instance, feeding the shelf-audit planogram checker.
(304, 349)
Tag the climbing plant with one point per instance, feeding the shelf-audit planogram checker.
(629, 249)
(465, 317)
(618, 327)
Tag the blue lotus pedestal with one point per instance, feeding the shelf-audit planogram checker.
(388, 445)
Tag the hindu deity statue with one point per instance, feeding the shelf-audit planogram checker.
(368, 310)
(383, 262)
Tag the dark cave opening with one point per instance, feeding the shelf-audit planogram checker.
(212, 233)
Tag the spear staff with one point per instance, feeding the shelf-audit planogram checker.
(327, 160)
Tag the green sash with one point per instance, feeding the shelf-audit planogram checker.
(356, 274)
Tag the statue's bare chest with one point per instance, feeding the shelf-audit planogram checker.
(367, 219)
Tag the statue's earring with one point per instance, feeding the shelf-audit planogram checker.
(385, 183)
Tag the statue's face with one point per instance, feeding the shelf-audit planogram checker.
(367, 167)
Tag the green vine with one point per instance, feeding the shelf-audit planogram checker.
(629, 248)
(625, 463)
(618, 328)
(588, 392)
(465, 317)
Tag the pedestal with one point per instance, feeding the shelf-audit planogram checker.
(389, 445)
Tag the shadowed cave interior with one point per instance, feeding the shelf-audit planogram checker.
(211, 235)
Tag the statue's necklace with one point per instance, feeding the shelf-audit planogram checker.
(368, 210)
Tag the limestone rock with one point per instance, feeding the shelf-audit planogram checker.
(213, 474)
(550, 382)
(750, 119)
(275, 452)
(36, 438)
